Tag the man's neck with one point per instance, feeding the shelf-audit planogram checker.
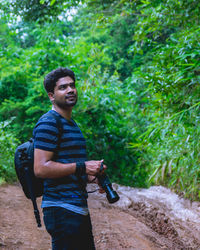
(66, 113)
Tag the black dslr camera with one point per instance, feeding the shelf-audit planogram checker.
(104, 181)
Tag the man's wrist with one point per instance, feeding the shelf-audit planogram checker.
(80, 169)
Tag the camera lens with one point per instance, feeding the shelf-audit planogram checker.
(111, 195)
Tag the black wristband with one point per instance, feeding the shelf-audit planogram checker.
(80, 169)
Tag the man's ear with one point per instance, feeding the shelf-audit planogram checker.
(51, 96)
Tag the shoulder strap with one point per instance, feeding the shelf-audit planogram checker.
(60, 129)
(58, 121)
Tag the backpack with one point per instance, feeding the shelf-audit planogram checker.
(24, 161)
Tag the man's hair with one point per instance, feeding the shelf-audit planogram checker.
(52, 77)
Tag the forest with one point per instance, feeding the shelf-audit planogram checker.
(138, 78)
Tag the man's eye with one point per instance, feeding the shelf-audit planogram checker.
(72, 85)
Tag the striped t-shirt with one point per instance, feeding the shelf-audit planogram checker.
(69, 146)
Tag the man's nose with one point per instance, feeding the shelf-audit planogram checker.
(70, 89)
(70, 92)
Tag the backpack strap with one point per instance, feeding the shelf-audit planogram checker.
(32, 196)
(60, 130)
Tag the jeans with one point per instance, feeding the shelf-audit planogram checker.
(68, 230)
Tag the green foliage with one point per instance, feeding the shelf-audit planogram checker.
(170, 143)
(106, 117)
(40, 10)
(7, 149)
(137, 67)
(171, 150)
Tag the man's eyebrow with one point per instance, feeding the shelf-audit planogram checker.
(64, 84)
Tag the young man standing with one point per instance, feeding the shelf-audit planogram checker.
(60, 159)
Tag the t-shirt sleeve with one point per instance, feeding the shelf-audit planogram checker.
(46, 135)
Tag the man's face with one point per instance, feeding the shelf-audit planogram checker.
(65, 93)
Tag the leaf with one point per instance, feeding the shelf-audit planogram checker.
(52, 2)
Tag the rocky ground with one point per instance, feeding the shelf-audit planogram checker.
(143, 219)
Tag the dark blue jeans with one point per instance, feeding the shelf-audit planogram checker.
(68, 230)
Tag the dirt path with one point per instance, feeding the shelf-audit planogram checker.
(126, 225)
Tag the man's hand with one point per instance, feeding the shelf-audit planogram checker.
(92, 179)
(93, 167)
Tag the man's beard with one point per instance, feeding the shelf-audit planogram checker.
(65, 105)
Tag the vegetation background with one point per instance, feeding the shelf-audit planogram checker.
(138, 72)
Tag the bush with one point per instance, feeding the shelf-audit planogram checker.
(8, 145)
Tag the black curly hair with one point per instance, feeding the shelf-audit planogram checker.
(52, 77)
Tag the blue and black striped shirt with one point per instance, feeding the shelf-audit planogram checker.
(69, 146)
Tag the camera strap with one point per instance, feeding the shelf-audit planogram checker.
(101, 169)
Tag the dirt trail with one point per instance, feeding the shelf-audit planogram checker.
(137, 221)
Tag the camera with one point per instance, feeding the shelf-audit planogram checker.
(105, 183)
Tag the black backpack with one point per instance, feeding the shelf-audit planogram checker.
(24, 161)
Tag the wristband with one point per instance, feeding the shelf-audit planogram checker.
(80, 169)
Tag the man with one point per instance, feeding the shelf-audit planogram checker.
(60, 159)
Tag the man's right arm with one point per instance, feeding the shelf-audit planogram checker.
(44, 167)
